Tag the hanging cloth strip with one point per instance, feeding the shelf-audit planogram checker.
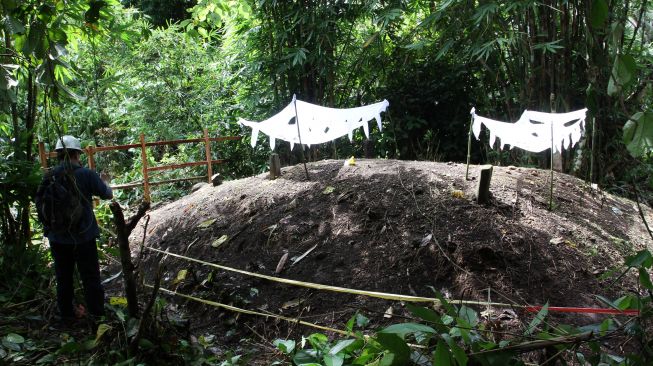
(317, 124)
(532, 132)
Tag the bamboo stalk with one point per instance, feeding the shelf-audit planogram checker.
(300, 138)
(207, 150)
(138, 184)
(469, 145)
(53, 154)
(551, 186)
(183, 165)
(592, 150)
(553, 110)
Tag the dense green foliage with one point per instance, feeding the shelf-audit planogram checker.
(106, 73)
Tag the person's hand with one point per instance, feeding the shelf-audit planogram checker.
(106, 178)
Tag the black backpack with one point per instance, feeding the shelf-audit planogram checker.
(59, 201)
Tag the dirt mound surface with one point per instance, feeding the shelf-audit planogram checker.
(390, 226)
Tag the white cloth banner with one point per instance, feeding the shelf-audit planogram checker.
(317, 124)
(532, 132)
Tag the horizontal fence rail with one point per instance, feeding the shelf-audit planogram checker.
(145, 182)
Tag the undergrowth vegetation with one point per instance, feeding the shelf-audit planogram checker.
(446, 334)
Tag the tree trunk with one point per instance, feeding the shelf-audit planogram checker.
(123, 230)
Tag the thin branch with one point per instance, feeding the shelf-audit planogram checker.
(535, 345)
(641, 212)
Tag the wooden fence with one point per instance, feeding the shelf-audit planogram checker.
(146, 183)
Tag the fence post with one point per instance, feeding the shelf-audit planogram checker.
(91, 157)
(146, 183)
(42, 156)
(207, 149)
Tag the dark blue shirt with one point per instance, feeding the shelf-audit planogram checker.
(89, 184)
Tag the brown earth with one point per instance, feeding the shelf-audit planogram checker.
(389, 226)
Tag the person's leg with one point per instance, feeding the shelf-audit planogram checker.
(89, 271)
(64, 267)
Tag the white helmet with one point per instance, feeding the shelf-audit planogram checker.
(68, 142)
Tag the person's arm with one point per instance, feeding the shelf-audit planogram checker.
(99, 187)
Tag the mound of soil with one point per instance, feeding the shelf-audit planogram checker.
(390, 226)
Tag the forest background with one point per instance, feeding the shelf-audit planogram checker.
(107, 71)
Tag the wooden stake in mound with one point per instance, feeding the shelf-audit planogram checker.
(275, 166)
(483, 195)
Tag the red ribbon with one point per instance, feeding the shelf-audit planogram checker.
(631, 312)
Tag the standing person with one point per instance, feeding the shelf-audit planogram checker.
(65, 207)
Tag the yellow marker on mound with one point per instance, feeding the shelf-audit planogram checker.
(350, 162)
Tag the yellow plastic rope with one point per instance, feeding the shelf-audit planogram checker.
(380, 295)
(251, 312)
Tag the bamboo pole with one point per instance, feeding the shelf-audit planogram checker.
(207, 150)
(300, 138)
(146, 184)
(592, 150)
(469, 144)
(183, 165)
(553, 110)
(96, 149)
(155, 183)
(551, 186)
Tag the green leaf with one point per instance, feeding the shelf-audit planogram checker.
(7, 80)
(318, 341)
(605, 326)
(89, 344)
(444, 49)
(68, 92)
(202, 32)
(645, 279)
(624, 302)
(341, 345)
(361, 320)
(403, 329)
(49, 358)
(13, 25)
(623, 70)
(206, 223)
(70, 347)
(349, 326)
(286, 346)
(397, 351)
(306, 357)
(328, 190)
(458, 353)
(638, 134)
(468, 315)
(598, 13)
(549, 47)
(538, 319)
(219, 241)
(145, 343)
(12, 341)
(181, 276)
(101, 329)
(643, 258)
(424, 313)
(334, 360)
(441, 356)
